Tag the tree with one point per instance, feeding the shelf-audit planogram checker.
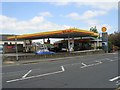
(94, 29)
(114, 39)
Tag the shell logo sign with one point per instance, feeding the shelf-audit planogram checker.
(66, 31)
(104, 29)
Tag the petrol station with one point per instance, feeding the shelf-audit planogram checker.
(68, 36)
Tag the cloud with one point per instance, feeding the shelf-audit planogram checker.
(92, 22)
(45, 14)
(86, 15)
(93, 4)
(89, 17)
(60, 3)
(33, 25)
(96, 9)
(100, 5)
(74, 16)
(4, 18)
(37, 19)
(91, 14)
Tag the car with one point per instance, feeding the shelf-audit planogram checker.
(43, 52)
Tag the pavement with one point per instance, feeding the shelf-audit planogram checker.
(89, 71)
(12, 62)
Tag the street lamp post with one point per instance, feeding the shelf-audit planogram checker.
(16, 49)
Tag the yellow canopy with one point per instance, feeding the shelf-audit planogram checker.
(72, 32)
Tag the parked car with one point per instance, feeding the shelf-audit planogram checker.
(43, 52)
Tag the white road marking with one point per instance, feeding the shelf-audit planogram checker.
(36, 76)
(99, 62)
(62, 68)
(107, 59)
(84, 64)
(110, 59)
(113, 60)
(48, 60)
(27, 73)
(115, 78)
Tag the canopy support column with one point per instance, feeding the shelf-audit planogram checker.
(43, 40)
(16, 48)
(48, 41)
(70, 44)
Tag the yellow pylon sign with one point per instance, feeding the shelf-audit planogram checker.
(104, 29)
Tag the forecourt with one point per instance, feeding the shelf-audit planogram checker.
(68, 34)
(90, 71)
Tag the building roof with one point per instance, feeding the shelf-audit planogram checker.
(72, 32)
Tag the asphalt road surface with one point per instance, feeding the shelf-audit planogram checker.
(90, 71)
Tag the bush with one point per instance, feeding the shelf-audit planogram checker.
(99, 47)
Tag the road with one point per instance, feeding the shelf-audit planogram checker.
(90, 71)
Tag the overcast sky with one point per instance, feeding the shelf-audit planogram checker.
(33, 17)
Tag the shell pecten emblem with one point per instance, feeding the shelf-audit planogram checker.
(104, 29)
(66, 31)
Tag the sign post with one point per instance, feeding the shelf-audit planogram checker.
(16, 48)
(104, 39)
